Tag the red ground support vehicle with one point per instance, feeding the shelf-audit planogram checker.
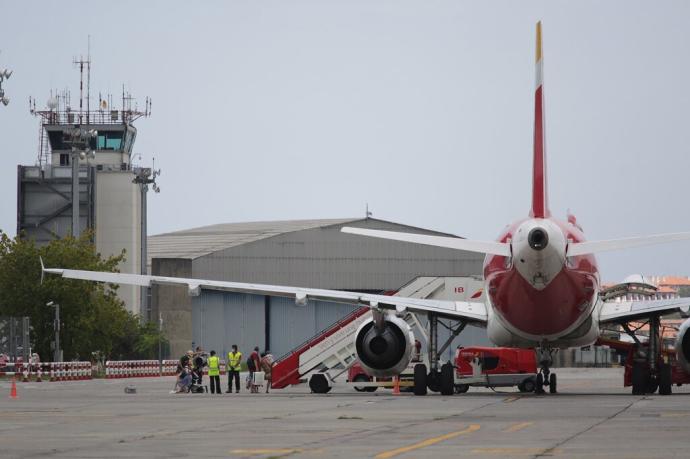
(635, 359)
(495, 367)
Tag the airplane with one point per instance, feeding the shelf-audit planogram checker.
(541, 285)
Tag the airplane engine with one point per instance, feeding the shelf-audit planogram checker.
(384, 350)
(683, 346)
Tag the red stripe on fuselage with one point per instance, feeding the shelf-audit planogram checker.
(551, 310)
(540, 207)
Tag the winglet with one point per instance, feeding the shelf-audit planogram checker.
(540, 205)
(43, 268)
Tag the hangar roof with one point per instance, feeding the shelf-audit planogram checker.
(197, 242)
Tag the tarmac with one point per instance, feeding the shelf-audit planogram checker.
(591, 416)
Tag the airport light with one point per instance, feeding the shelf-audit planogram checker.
(5, 74)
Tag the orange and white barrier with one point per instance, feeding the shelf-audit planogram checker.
(145, 368)
(58, 371)
(135, 368)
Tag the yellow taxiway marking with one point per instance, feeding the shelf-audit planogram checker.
(427, 442)
(513, 451)
(674, 415)
(519, 426)
(263, 451)
(512, 399)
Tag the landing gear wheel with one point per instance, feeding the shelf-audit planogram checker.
(527, 385)
(447, 380)
(461, 388)
(652, 384)
(640, 375)
(665, 379)
(552, 383)
(540, 384)
(420, 379)
(319, 384)
(363, 378)
(432, 381)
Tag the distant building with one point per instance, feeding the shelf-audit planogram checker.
(642, 288)
(302, 253)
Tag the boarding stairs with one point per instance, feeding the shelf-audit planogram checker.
(332, 351)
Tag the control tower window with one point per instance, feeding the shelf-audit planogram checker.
(109, 141)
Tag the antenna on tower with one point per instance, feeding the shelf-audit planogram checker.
(368, 213)
(81, 62)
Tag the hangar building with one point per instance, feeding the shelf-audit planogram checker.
(302, 253)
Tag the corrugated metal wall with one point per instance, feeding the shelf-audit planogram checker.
(220, 320)
(291, 325)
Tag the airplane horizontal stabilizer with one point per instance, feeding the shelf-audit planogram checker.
(487, 247)
(588, 247)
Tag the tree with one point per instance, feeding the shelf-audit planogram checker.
(93, 318)
(684, 291)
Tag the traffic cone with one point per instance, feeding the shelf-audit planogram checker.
(396, 385)
(13, 390)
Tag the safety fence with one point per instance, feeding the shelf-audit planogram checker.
(76, 371)
(145, 368)
(51, 371)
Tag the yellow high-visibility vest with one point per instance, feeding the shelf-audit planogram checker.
(213, 366)
(234, 360)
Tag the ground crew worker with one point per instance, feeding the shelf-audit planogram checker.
(234, 366)
(214, 373)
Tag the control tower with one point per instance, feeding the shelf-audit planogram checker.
(84, 179)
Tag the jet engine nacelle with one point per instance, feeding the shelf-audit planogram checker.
(683, 346)
(385, 350)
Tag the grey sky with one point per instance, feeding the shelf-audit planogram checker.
(287, 110)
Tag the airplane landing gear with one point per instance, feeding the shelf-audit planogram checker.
(649, 371)
(545, 377)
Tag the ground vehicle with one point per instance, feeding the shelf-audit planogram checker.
(357, 374)
(670, 369)
(495, 367)
(474, 366)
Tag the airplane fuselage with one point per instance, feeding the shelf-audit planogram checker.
(539, 296)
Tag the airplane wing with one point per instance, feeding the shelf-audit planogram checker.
(490, 247)
(587, 247)
(474, 312)
(624, 311)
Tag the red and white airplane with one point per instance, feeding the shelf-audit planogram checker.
(541, 284)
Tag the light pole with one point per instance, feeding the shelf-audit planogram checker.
(145, 176)
(79, 140)
(56, 326)
(160, 347)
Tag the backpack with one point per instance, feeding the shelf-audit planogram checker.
(250, 364)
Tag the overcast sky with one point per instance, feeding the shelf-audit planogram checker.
(270, 110)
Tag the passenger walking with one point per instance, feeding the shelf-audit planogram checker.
(253, 365)
(214, 373)
(234, 366)
(267, 367)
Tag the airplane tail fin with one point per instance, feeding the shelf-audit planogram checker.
(540, 207)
